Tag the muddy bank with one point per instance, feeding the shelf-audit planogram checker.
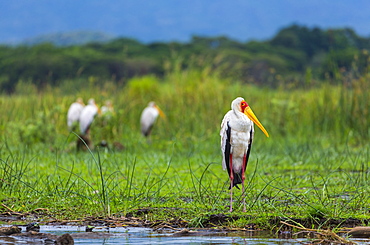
(14, 233)
(118, 228)
(219, 221)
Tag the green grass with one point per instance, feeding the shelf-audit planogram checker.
(314, 165)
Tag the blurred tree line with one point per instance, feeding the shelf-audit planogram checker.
(296, 56)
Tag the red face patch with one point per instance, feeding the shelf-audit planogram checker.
(243, 105)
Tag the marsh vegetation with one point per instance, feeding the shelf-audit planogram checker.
(314, 167)
(308, 87)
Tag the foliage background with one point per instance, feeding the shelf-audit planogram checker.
(296, 56)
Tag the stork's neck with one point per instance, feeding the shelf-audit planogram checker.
(238, 113)
(239, 121)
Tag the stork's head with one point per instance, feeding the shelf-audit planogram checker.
(241, 105)
(80, 101)
(91, 101)
(154, 105)
(109, 103)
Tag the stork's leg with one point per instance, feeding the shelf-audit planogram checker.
(231, 181)
(149, 140)
(243, 178)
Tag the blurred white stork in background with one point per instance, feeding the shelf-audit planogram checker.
(87, 116)
(86, 119)
(237, 133)
(107, 111)
(149, 117)
(74, 113)
(107, 108)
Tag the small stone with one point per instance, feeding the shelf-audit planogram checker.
(360, 232)
(33, 227)
(65, 239)
(10, 230)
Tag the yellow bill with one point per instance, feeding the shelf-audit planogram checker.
(248, 111)
(161, 113)
(99, 111)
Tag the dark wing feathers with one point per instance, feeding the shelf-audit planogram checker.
(249, 147)
(228, 147)
(237, 176)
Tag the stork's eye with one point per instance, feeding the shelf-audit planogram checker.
(243, 105)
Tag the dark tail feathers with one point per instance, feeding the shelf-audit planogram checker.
(237, 180)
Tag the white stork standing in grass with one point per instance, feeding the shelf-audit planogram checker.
(86, 119)
(87, 116)
(149, 117)
(237, 133)
(74, 113)
(107, 109)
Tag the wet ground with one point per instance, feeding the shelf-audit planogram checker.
(140, 235)
(131, 230)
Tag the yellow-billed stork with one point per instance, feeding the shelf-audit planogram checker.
(107, 109)
(87, 116)
(149, 116)
(74, 113)
(237, 133)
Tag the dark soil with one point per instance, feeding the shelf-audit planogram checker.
(221, 221)
(212, 225)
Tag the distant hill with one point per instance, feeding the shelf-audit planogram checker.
(70, 38)
(297, 53)
(170, 20)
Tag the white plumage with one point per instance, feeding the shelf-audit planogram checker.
(242, 132)
(149, 117)
(107, 109)
(87, 116)
(107, 112)
(237, 131)
(74, 113)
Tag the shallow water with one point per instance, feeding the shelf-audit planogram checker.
(134, 235)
